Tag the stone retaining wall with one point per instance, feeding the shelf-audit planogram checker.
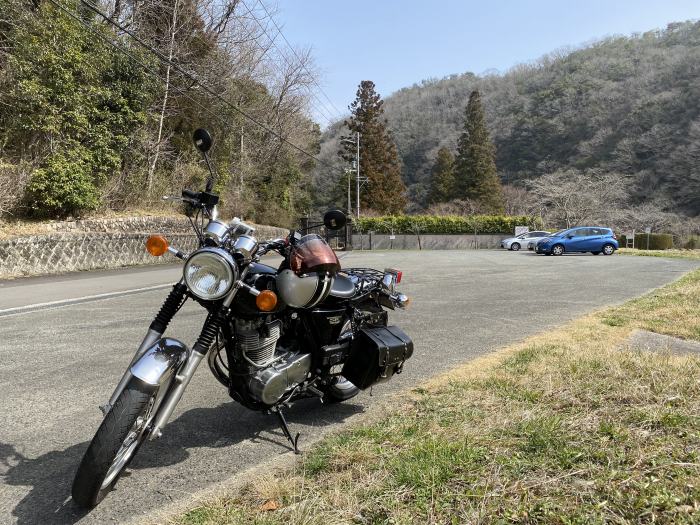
(427, 242)
(95, 244)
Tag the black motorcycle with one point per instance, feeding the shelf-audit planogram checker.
(272, 335)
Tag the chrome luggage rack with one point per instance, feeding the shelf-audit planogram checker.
(364, 278)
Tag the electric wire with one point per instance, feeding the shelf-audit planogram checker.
(196, 81)
(145, 67)
(279, 31)
(322, 109)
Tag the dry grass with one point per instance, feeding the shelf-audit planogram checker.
(675, 254)
(567, 427)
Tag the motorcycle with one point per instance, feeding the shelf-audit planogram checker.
(272, 335)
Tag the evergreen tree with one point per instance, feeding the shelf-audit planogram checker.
(384, 192)
(443, 177)
(475, 167)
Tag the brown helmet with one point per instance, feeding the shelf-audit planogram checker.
(312, 254)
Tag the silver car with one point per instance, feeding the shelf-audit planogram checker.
(523, 240)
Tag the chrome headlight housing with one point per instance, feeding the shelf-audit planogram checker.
(210, 273)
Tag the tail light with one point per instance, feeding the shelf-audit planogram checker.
(614, 236)
(397, 273)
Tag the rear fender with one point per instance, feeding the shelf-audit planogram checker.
(160, 361)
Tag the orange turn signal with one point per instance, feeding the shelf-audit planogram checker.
(266, 301)
(156, 245)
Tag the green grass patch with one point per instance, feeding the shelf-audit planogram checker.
(674, 254)
(565, 428)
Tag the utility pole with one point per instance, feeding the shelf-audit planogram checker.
(357, 159)
(356, 166)
(348, 171)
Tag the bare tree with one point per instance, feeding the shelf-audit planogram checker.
(571, 198)
(518, 201)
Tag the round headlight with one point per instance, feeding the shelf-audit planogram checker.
(210, 273)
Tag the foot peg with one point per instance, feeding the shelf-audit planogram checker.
(285, 429)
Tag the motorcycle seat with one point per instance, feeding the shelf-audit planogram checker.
(342, 287)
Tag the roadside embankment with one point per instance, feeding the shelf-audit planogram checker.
(575, 425)
(93, 244)
(676, 254)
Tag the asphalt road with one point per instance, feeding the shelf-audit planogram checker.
(60, 361)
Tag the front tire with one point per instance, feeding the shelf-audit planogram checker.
(115, 444)
(557, 249)
(515, 246)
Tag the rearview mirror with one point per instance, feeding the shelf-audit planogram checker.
(202, 140)
(334, 219)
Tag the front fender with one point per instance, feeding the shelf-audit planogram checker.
(160, 361)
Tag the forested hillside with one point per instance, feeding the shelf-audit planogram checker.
(97, 112)
(624, 105)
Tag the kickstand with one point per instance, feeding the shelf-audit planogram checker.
(285, 428)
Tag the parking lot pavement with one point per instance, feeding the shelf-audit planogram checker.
(58, 364)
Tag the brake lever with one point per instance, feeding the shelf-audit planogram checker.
(174, 198)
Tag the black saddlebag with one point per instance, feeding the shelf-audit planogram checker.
(376, 355)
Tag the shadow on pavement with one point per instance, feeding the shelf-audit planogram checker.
(50, 475)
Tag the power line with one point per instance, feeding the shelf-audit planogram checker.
(145, 67)
(272, 41)
(196, 81)
(321, 109)
(279, 30)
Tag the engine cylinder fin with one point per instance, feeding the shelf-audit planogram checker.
(258, 346)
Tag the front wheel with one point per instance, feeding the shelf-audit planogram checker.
(115, 444)
(515, 246)
(557, 249)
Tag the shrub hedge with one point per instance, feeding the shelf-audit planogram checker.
(657, 241)
(447, 224)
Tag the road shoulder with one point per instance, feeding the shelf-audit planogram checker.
(567, 425)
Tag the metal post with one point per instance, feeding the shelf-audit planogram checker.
(347, 174)
(357, 159)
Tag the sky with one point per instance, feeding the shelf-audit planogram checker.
(396, 43)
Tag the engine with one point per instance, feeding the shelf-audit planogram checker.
(272, 369)
(256, 341)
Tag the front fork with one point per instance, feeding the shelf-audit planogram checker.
(182, 379)
(155, 331)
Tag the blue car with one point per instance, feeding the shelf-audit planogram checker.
(584, 239)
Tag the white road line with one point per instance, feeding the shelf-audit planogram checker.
(86, 298)
(76, 300)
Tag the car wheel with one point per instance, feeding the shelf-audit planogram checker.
(515, 246)
(557, 249)
(608, 249)
(595, 253)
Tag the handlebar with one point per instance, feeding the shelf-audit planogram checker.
(189, 194)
